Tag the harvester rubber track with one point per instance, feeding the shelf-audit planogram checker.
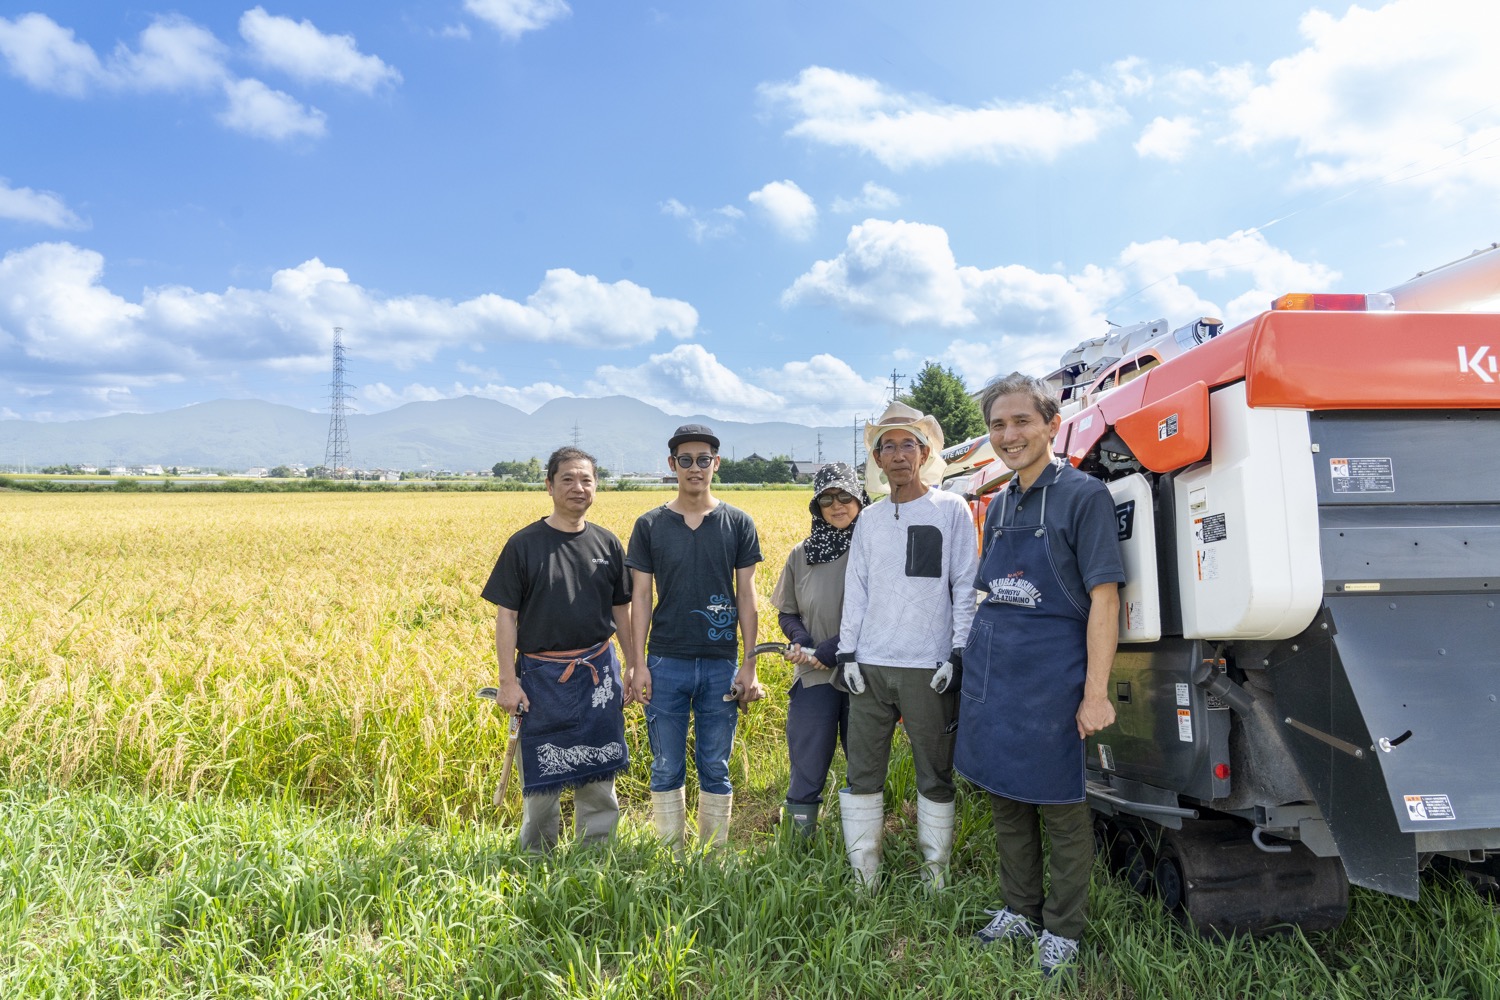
(1215, 879)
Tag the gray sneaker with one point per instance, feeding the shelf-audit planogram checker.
(1058, 955)
(1008, 925)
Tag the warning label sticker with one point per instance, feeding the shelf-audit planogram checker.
(1135, 615)
(1185, 725)
(1166, 428)
(1210, 529)
(1106, 757)
(1362, 475)
(1208, 564)
(1182, 694)
(1429, 807)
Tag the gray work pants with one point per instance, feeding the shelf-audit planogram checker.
(901, 693)
(596, 812)
(1070, 831)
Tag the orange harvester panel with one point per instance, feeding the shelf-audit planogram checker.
(1369, 361)
(1169, 433)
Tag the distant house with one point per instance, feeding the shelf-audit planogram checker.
(804, 472)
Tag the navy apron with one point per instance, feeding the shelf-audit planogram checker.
(574, 732)
(1024, 668)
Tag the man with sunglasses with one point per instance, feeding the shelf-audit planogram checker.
(692, 566)
(908, 602)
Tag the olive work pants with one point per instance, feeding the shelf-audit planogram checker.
(1070, 831)
(596, 813)
(901, 693)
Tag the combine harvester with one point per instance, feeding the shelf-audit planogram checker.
(1307, 685)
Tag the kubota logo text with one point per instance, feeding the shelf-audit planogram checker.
(1481, 363)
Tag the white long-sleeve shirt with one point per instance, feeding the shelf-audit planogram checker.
(909, 586)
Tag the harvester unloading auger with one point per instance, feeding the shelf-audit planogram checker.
(1309, 663)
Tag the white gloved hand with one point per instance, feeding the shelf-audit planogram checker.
(854, 678)
(942, 676)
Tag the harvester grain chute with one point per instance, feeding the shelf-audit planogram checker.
(1309, 663)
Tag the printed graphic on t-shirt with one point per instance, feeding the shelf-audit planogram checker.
(1014, 590)
(721, 615)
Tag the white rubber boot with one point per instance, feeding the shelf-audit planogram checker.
(713, 818)
(669, 817)
(935, 837)
(864, 824)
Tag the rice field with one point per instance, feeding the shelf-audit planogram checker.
(242, 756)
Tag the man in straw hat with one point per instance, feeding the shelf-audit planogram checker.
(908, 601)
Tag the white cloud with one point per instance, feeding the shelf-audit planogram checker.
(1399, 92)
(904, 274)
(871, 198)
(790, 209)
(689, 379)
(513, 18)
(257, 110)
(904, 130)
(1167, 139)
(298, 48)
(42, 207)
(900, 272)
(713, 225)
(54, 308)
(46, 55)
(174, 54)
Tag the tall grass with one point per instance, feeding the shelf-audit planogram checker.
(243, 758)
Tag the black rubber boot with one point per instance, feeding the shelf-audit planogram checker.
(802, 815)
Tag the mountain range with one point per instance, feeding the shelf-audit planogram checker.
(466, 433)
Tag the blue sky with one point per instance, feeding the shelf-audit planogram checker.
(751, 210)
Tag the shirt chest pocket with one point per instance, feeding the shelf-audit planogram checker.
(924, 551)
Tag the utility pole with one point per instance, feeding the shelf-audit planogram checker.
(896, 378)
(336, 454)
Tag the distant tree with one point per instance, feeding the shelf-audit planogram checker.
(756, 470)
(279, 472)
(942, 393)
(319, 472)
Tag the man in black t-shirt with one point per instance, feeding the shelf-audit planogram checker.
(699, 555)
(561, 591)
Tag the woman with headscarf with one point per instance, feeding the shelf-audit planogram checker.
(810, 599)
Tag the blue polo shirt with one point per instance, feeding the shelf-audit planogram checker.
(1082, 532)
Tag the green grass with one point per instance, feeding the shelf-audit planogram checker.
(115, 894)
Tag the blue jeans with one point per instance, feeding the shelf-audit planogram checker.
(696, 687)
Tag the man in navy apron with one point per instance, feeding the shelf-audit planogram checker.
(560, 591)
(1036, 668)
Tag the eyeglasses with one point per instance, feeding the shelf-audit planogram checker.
(686, 461)
(907, 447)
(828, 499)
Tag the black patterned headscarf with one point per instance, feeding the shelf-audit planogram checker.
(827, 543)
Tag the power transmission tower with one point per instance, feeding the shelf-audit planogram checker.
(820, 448)
(576, 436)
(336, 455)
(896, 378)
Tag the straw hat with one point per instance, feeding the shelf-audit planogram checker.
(923, 426)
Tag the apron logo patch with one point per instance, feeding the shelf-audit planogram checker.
(1014, 590)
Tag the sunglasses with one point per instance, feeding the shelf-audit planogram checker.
(686, 461)
(828, 499)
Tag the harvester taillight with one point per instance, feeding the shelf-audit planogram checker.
(1336, 302)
